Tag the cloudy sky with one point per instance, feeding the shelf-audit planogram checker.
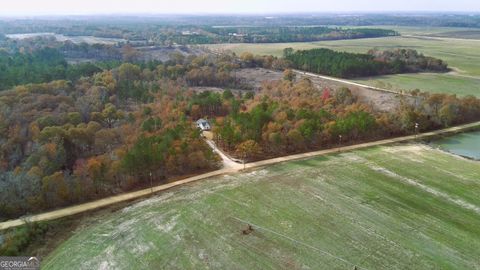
(70, 7)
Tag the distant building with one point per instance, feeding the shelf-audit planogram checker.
(189, 33)
(203, 124)
(237, 35)
(138, 42)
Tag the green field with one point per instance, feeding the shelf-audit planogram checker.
(397, 207)
(424, 30)
(437, 83)
(462, 55)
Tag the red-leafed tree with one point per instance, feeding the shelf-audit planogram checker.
(326, 94)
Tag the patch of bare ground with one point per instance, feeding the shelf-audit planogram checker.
(381, 101)
(164, 53)
(216, 89)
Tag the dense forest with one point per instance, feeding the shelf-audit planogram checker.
(43, 59)
(64, 142)
(375, 62)
(42, 65)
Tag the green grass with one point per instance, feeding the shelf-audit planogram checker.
(359, 208)
(462, 55)
(423, 31)
(436, 83)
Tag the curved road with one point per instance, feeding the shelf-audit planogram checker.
(81, 208)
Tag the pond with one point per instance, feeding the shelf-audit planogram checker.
(464, 144)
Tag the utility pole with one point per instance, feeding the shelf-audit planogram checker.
(339, 141)
(151, 183)
(244, 157)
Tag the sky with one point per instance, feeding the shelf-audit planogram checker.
(83, 7)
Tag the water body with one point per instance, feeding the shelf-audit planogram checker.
(464, 144)
(74, 39)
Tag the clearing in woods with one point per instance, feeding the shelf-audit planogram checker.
(462, 55)
(405, 206)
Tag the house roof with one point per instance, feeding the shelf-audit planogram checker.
(202, 121)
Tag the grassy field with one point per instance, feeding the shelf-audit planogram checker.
(426, 30)
(395, 207)
(437, 83)
(462, 55)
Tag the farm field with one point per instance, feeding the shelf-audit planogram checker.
(437, 83)
(452, 32)
(461, 54)
(311, 214)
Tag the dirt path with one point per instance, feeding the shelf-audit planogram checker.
(441, 38)
(347, 82)
(72, 210)
(381, 99)
(228, 163)
(456, 74)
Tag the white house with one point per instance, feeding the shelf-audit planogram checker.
(203, 124)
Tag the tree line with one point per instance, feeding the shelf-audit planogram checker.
(197, 33)
(351, 65)
(43, 65)
(292, 34)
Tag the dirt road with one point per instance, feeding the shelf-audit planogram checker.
(228, 163)
(380, 99)
(345, 81)
(441, 38)
(76, 209)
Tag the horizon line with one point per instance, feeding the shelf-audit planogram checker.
(172, 14)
